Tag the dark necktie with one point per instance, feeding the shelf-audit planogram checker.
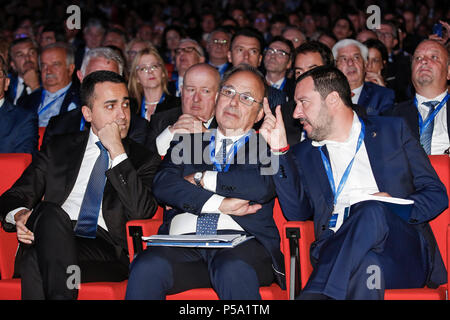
(426, 135)
(90, 207)
(207, 223)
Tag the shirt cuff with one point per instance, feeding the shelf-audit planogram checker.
(119, 159)
(10, 216)
(210, 181)
(213, 204)
(163, 141)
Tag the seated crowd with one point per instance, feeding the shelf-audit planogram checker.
(213, 118)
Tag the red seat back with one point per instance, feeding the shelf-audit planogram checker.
(11, 167)
(441, 164)
(41, 136)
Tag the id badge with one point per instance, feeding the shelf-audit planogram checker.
(338, 217)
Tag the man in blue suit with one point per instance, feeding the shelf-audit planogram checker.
(58, 94)
(18, 127)
(351, 56)
(364, 248)
(236, 194)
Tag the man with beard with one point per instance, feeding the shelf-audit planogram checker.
(343, 157)
(427, 114)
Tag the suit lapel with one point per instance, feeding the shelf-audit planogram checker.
(77, 146)
(374, 148)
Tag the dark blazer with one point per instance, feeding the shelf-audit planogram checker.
(400, 167)
(408, 111)
(376, 99)
(160, 121)
(54, 170)
(11, 93)
(243, 180)
(18, 129)
(33, 100)
(70, 122)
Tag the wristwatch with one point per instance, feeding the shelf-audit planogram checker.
(198, 178)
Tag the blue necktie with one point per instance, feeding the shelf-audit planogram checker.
(207, 223)
(425, 137)
(90, 207)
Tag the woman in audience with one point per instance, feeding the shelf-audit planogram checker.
(148, 84)
(376, 62)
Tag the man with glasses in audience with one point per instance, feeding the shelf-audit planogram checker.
(217, 47)
(188, 53)
(351, 57)
(198, 97)
(224, 192)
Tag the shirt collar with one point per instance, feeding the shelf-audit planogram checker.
(422, 99)
(2, 101)
(354, 134)
(57, 93)
(221, 136)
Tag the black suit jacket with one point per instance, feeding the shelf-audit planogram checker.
(53, 173)
(408, 111)
(245, 179)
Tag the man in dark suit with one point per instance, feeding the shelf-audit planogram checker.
(234, 193)
(346, 156)
(73, 121)
(23, 54)
(351, 57)
(70, 206)
(18, 127)
(198, 97)
(430, 73)
(58, 94)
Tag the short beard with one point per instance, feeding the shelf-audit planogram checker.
(322, 128)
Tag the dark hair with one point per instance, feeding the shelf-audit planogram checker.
(377, 44)
(328, 79)
(88, 85)
(286, 42)
(15, 42)
(251, 33)
(320, 48)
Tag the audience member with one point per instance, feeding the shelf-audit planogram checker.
(49, 203)
(57, 95)
(350, 235)
(217, 47)
(222, 195)
(427, 114)
(351, 56)
(18, 126)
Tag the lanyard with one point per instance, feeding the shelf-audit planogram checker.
(48, 105)
(344, 178)
(144, 109)
(424, 125)
(230, 154)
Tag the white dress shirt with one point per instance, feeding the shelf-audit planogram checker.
(187, 222)
(48, 108)
(439, 140)
(360, 179)
(356, 93)
(73, 202)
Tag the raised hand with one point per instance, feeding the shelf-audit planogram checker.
(187, 123)
(273, 129)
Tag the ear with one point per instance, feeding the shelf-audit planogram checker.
(71, 69)
(79, 75)
(6, 84)
(202, 59)
(260, 59)
(229, 57)
(260, 114)
(87, 113)
(332, 99)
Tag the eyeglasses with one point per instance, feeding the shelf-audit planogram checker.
(178, 51)
(344, 59)
(190, 91)
(278, 52)
(384, 34)
(220, 42)
(147, 68)
(245, 98)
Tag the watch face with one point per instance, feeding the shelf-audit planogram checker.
(198, 175)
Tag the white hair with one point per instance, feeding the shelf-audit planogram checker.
(350, 42)
(102, 52)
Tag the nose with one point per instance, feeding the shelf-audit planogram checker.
(197, 96)
(298, 111)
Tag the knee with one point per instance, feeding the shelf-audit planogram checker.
(371, 212)
(232, 271)
(150, 265)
